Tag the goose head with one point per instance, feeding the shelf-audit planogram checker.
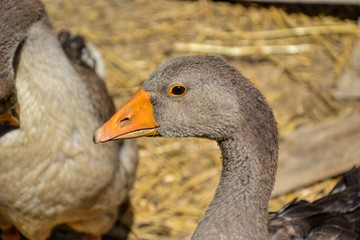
(193, 96)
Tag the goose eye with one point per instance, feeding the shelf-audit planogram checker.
(177, 90)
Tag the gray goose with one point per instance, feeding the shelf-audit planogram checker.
(203, 96)
(51, 173)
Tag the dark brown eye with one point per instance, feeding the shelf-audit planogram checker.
(177, 90)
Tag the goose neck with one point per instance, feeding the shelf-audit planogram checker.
(240, 205)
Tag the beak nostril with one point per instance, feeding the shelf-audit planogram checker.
(124, 120)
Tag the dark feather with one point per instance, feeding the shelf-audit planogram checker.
(336, 216)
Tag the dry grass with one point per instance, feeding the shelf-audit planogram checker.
(176, 179)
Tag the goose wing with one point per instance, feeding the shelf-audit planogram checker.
(336, 216)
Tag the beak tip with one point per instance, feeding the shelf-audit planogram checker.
(97, 136)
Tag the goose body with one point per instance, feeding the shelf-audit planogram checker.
(50, 171)
(203, 96)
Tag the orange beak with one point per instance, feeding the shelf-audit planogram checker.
(134, 119)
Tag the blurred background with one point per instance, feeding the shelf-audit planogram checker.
(295, 54)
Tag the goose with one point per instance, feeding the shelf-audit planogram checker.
(51, 173)
(203, 96)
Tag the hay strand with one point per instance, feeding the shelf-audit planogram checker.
(241, 51)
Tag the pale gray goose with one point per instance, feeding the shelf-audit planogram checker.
(51, 173)
(203, 96)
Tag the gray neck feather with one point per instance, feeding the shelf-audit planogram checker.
(240, 206)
